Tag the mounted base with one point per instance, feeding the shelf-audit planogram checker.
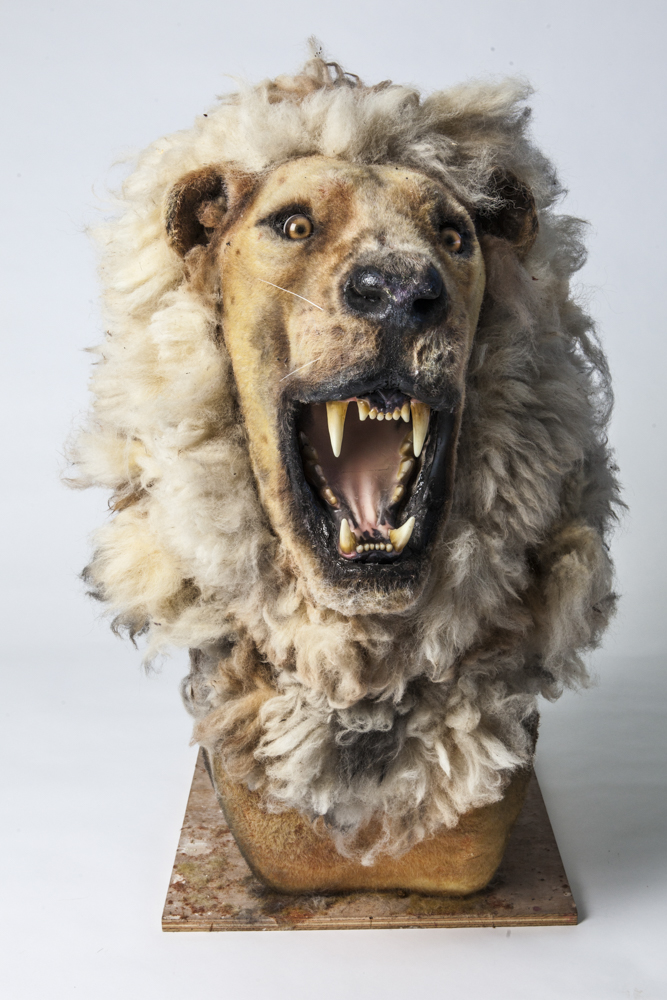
(213, 889)
(287, 854)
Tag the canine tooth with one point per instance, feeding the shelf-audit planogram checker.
(405, 412)
(401, 536)
(328, 495)
(421, 414)
(404, 469)
(346, 539)
(373, 414)
(380, 416)
(360, 548)
(336, 411)
(396, 414)
(397, 494)
(364, 408)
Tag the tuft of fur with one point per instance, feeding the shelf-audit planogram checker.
(412, 718)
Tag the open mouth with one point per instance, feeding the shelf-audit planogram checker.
(372, 474)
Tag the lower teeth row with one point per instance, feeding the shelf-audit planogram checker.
(382, 546)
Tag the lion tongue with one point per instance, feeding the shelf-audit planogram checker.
(362, 488)
(365, 470)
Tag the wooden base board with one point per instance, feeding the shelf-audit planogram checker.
(212, 888)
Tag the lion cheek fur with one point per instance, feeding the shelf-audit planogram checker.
(411, 706)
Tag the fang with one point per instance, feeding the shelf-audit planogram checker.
(346, 539)
(421, 414)
(401, 536)
(336, 411)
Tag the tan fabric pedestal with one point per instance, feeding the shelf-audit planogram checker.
(288, 855)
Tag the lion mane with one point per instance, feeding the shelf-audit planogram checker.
(410, 718)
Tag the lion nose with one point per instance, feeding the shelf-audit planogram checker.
(409, 298)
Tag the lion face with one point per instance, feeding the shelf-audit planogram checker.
(350, 297)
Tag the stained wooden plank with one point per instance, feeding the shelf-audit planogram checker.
(212, 888)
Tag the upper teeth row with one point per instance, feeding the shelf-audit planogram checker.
(315, 472)
(366, 410)
(337, 410)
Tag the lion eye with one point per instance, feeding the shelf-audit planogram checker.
(298, 227)
(453, 240)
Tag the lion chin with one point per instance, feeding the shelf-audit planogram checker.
(354, 426)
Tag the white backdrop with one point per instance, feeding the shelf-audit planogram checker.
(96, 763)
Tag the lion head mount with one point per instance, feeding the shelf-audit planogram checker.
(345, 284)
(354, 425)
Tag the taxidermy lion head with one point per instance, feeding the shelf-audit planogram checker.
(353, 422)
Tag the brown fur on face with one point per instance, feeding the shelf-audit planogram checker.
(291, 337)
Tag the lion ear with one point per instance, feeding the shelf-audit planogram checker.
(515, 216)
(196, 206)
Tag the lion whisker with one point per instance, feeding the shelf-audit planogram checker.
(291, 293)
(301, 367)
